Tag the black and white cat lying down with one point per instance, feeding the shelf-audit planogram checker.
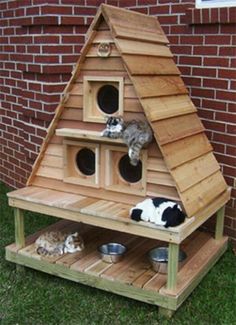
(160, 211)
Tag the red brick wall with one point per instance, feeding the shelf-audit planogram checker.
(41, 41)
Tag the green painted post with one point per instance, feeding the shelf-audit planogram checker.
(219, 223)
(173, 257)
(19, 228)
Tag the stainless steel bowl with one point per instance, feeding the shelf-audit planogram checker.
(158, 257)
(112, 252)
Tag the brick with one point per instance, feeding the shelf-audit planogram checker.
(190, 60)
(227, 73)
(201, 92)
(85, 11)
(214, 105)
(227, 139)
(231, 150)
(46, 39)
(50, 59)
(191, 39)
(46, 20)
(215, 83)
(226, 95)
(218, 39)
(205, 50)
(56, 10)
(214, 126)
(227, 51)
(57, 49)
(159, 10)
(206, 29)
(218, 147)
(72, 20)
(216, 62)
(74, 39)
(226, 117)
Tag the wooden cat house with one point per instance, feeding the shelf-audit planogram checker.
(125, 69)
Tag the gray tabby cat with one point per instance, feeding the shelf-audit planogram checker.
(55, 243)
(136, 135)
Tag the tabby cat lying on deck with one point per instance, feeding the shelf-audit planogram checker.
(55, 243)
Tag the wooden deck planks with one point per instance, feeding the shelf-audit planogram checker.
(134, 270)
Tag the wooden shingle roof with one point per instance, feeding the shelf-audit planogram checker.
(168, 108)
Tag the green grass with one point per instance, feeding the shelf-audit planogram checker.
(35, 298)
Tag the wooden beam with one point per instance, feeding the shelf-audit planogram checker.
(220, 223)
(173, 258)
(19, 228)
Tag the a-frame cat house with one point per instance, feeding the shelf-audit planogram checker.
(127, 69)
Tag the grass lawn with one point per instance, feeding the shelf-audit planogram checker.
(35, 298)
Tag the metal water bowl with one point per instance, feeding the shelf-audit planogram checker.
(112, 252)
(158, 257)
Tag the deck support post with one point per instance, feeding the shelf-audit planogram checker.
(173, 257)
(165, 312)
(19, 228)
(220, 223)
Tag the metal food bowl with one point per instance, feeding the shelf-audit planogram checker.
(112, 252)
(158, 257)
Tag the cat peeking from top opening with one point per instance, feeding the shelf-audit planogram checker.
(135, 135)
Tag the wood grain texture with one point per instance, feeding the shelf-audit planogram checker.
(127, 46)
(155, 86)
(184, 150)
(165, 107)
(132, 25)
(195, 171)
(200, 195)
(150, 65)
(177, 128)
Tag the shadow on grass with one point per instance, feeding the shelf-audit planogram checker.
(31, 297)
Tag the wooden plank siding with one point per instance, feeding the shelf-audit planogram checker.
(156, 86)
(159, 108)
(177, 127)
(127, 46)
(133, 25)
(150, 65)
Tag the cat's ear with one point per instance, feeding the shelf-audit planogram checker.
(75, 234)
(175, 207)
(136, 214)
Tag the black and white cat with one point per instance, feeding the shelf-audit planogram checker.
(160, 211)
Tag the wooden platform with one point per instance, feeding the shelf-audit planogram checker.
(108, 214)
(133, 276)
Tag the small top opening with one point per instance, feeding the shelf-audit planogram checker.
(130, 173)
(108, 99)
(85, 161)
